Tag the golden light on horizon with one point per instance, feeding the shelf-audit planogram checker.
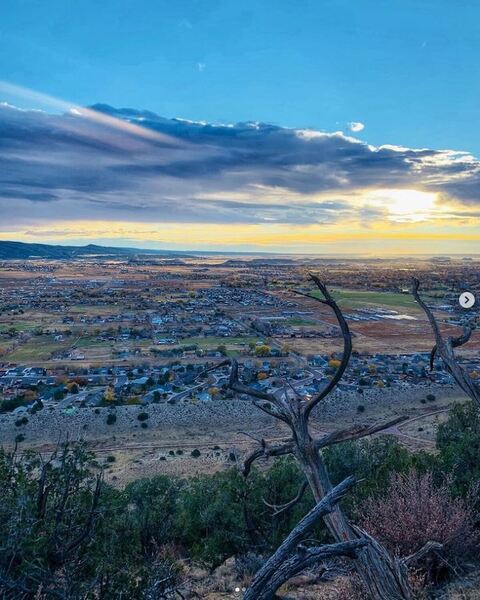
(380, 238)
(404, 205)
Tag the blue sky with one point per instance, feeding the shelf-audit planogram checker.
(407, 69)
(299, 126)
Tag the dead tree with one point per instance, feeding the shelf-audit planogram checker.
(293, 556)
(444, 347)
(384, 577)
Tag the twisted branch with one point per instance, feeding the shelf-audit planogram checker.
(444, 347)
(347, 343)
(291, 557)
(279, 509)
(356, 432)
(265, 452)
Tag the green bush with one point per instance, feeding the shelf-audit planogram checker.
(207, 518)
(458, 442)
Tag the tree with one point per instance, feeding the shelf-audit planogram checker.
(64, 533)
(294, 555)
(458, 442)
(58, 394)
(262, 350)
(384, 576)
(109, 395)
(52, 516)
(445, 348)
(334, 363)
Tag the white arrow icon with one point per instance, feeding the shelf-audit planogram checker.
(467, 300)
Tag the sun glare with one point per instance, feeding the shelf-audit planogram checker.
(405, 205)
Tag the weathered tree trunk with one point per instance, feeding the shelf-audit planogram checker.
(385, 578)
(292, 558)
(382, 575)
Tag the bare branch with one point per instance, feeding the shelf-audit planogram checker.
(265, 452)
(455, 342)
(417, 556)
(444, 348)
(279, 509)
(357, 432)
(303, 559)
(291, 558)
(268, 403)
(347, 343)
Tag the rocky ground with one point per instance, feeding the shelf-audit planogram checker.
(164, 442)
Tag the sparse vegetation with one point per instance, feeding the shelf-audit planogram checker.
(111, 418)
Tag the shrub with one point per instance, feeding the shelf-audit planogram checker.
(373, 462)
(111, 418)
(248, 564)
(143, 416)
(111, 458)
(12, 403)
(144, 425)
(58, 394)
(37, 406)
(458, 442)
(195, 453)
(414, 511)
(431, 397)
(360, 408)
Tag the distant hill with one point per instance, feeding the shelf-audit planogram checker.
(20, 250)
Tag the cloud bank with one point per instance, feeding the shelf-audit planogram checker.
(67, 167)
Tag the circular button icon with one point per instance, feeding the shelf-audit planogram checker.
(467, 300)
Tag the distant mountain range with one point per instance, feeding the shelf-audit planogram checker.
(20, 250)
(23, 251)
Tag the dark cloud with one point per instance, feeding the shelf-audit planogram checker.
(31, 196)
(243, 173)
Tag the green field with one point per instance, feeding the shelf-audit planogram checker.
(213, 342)
(36, 349)
(91, 342)
(299, 322)
(359, 299)
(20, 326)
(94, 310)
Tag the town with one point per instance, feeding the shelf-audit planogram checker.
(100, 333)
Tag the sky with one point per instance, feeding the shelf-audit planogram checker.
(285, 126)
